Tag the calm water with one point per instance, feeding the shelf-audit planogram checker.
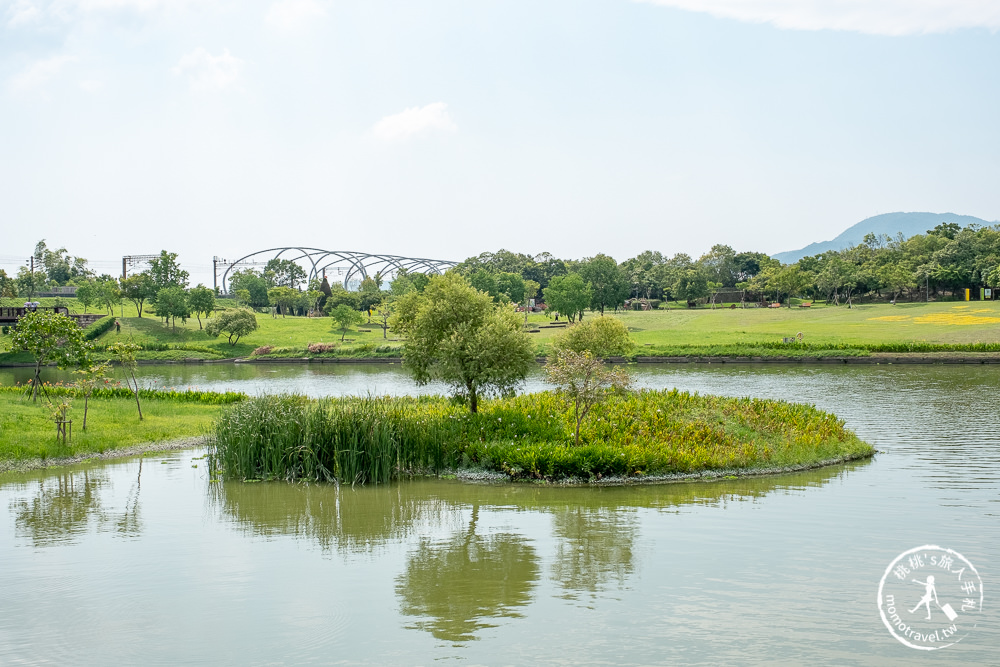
(149, 562)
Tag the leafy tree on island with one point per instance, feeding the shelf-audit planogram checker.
(346, 317)
(51, 338)
(235, 324)
(584, 380)
(458, 335)
(201, 300)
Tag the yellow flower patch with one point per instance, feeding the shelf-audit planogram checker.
(890, 318)
(960, 319)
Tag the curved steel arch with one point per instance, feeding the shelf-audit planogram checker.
(359, 264)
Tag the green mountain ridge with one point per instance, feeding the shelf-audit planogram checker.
(909, 224)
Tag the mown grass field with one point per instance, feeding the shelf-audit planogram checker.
(28, 431)
(677, 331)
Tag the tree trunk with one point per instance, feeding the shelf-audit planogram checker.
(34, 383)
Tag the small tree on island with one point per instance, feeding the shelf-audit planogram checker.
(234, 323)
(346, 317)
(458, 335)
(51, 338)
(584, 380)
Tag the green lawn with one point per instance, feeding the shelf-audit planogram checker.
(27, 429)
(655, 332)
(949, 322)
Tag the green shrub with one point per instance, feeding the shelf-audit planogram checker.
(99, 327)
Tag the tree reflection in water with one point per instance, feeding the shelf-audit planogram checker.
(595, 547)
(455, 586)
(68, 504)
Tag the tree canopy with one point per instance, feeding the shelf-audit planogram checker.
(235, 324)
(458, 335)
(51, 338)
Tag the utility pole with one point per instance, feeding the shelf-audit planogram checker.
(123, 269)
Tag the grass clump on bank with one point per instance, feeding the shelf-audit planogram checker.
(637, 434)
(27, 430)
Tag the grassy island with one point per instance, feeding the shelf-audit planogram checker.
(629, 435)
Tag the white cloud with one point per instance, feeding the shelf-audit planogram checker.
(411, 122)
(208, 72)
(91, 85)
(62, 12)
(21, 12)
(877, 17)
(39, 73)
(291, 14)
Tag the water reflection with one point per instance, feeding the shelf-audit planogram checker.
(66, 505)
(595, 547)
(335, 517)
(457, 585)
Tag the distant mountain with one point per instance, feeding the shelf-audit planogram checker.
(910, 224)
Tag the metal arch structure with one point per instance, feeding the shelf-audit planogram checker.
(356, 266)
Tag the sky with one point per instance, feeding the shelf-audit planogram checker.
(444, 129)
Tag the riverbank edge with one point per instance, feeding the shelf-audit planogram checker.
(491, 477)
(131, 451)
(874, 359)
(464, 475)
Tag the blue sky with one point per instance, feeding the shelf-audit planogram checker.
(443, 129)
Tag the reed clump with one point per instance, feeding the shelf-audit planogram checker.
(375, 439)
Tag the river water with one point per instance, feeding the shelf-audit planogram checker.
(148, 561)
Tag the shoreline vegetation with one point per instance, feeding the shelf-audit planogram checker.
(631, 437)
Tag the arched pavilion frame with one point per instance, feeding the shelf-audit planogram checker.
(360, 264)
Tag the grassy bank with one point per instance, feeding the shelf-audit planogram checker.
(945, 328)
(28, 431)
(530, 436)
